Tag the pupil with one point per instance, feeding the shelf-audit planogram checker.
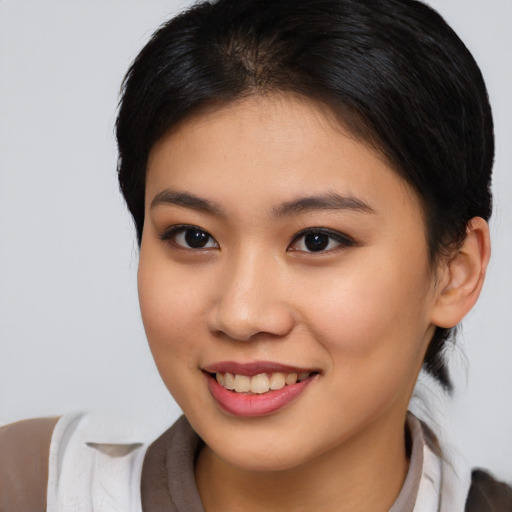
(196, 239)
(316, 241)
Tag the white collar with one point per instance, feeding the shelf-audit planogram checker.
(434, 483)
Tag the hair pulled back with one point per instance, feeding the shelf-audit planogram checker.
(393, 71)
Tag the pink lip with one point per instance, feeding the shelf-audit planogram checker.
(249, 406)
(253, 368)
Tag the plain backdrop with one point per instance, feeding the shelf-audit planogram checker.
(70, 333)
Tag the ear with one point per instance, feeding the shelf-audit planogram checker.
(462, 276)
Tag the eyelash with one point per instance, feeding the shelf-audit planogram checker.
(171, 233)
(341, 240)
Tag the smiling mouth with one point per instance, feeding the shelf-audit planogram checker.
(257, 388)
(261, 383)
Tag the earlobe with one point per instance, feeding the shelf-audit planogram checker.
(463, 276)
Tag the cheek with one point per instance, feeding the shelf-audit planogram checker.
(371, 318)
(170, 312)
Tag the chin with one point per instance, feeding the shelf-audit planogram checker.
(257, 446)
(255, 459)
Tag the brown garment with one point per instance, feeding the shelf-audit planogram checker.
(168, 482)
(487, 494)
(24, 454)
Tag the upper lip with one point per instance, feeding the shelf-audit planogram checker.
(254, 368)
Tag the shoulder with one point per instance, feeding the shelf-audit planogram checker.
(24, 455)
(487, 494)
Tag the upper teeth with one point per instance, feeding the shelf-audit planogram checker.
(260, 383)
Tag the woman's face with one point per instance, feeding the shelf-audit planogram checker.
(276, 244)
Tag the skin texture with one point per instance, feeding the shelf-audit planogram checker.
(361, 313)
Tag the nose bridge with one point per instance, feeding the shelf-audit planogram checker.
(250, 299)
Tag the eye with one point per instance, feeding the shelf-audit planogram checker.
(189, 237)
(319, 240)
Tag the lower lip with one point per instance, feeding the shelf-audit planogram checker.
(249, 406)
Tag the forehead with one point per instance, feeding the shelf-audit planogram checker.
(275, 147)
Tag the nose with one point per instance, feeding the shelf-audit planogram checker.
(251, 300)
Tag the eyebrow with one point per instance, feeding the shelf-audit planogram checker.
(330, 201)
(186, 200)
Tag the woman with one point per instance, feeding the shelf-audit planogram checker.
(310, 187)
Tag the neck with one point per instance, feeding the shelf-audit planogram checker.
(364, 473)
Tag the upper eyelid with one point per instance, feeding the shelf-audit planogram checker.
(176, 228)
(337, 235)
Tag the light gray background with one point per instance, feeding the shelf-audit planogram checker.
(70, 333)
